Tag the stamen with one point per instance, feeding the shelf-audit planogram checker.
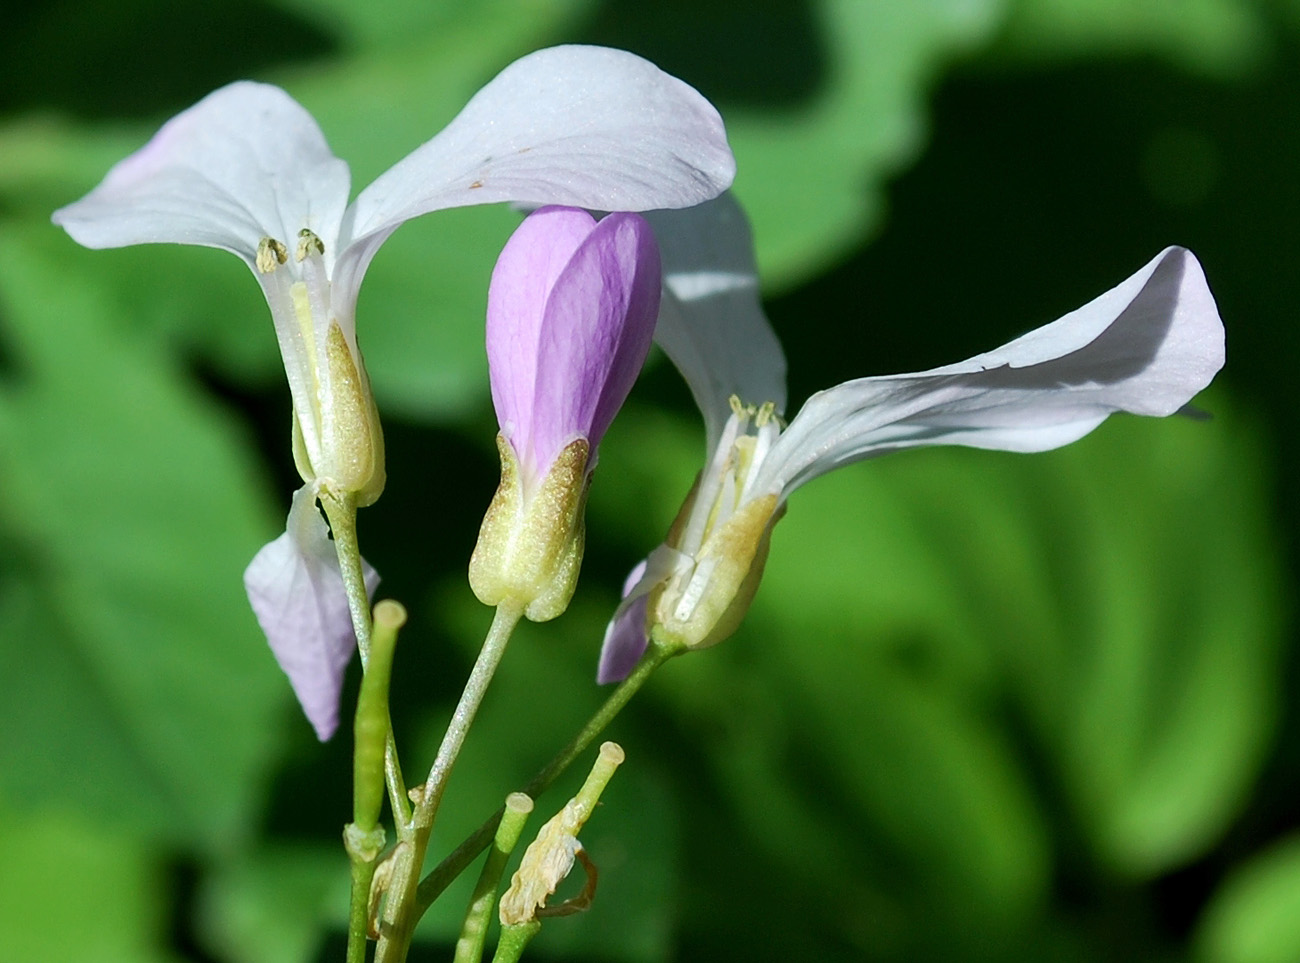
(270, 254)
(308, 242)
(694, 590)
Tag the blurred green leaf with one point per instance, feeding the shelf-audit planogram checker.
(1254, 917)
(1137, 613)
(393, 24)
(275, 906)
(138, 675)
(1211, 36)
(810, 177)
(73, 889)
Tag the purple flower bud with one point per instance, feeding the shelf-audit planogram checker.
(571, 311)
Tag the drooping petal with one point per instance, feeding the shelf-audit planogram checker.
(522, 280)
(576, 125)
(296, 590)
(626, 635)
(599, 322)
(245, 162)
(711, 321)
(1147, 347)
(625, 641)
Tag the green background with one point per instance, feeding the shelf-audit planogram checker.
(985, 707)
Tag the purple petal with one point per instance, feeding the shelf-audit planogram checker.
(522, 281)
(296, 590)
(711, 322)
(571, 312)
(1147, 347)
(625, 642)
(625, 636)
(245, 162)
(597, 330)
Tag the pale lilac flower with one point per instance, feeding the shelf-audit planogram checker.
(1146, 347)
(248, 170)
(571, 312)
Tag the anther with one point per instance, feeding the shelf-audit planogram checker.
(270, 253)
(308, 242)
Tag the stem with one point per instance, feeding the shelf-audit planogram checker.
(363, 851)
(431, 886)
(341, 510)
(363, 844)
(473, 933)
(514, 940)
(400, 911)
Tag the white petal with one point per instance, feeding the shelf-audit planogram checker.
(582, 126)
(296, 590)
(245, 162)
(1146, 347)
(711, 321)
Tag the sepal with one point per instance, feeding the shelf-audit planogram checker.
(705, 603)
(530, 545)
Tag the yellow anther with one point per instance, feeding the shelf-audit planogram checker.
(270, 253)
(766, 412)
(308, 242)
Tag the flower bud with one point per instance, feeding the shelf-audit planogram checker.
(571, 311)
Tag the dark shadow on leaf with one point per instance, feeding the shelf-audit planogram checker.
(764, 54)
(141, 58)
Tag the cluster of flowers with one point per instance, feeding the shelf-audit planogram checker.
(573, 305)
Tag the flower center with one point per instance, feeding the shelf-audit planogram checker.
(336, 431)
(727, 483)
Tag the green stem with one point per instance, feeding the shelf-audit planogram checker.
(400, 912)
(473, 933)
(363, 843)
(514, 940)
(363, 850)
(431, 886)
(341, 510)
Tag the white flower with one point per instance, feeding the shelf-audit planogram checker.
(248, 170)
(1147, 347)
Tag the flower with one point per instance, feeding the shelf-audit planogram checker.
(571, 312)
(248, 170)
(1147, 347)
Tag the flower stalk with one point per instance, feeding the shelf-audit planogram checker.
(401, 911)
(473, 933)
(432, 886)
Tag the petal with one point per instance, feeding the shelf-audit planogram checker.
(296, 590)
(581, 126)
(599, 320)
(522, 280)
(626, 636)
(1146, 347)
(245, 162)
(625, 641)
(711, 322)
